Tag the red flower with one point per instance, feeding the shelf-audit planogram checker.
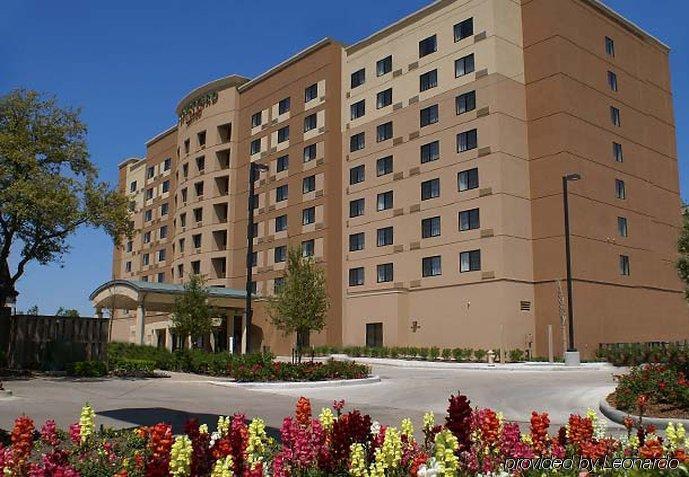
(641, 402)
(159, 444)
(303, 411)
(652, 449)
(539, 431)
(458, 420)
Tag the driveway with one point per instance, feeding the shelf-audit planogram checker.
(403, 391)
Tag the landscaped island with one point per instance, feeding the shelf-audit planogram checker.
(468, 441)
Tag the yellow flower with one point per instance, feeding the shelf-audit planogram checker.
(223, 426)
(87, 422)
(180, 457)
(428, 420)
(256, 445)
(326, 418)
(357, 461)
(407, 428)
(223, 467)
(445, 446)
(203, 429)
(675, 435)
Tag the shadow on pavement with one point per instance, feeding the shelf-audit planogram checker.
(148, 416)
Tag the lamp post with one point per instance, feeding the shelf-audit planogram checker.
(572, 357)
(254, 171)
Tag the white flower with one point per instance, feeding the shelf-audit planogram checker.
(428, 470)
(375, 428)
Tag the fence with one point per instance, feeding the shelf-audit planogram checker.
(51, 342)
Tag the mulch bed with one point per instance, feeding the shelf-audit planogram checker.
(667, 411)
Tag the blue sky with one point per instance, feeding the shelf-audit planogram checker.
(126, 63)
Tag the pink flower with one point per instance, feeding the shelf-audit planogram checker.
(49, 433)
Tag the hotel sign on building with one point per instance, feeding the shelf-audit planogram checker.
(192, 110)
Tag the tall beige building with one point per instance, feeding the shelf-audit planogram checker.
(422, 168)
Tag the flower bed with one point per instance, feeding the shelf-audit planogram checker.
(306, 371)
(469, 441)
(661, 390)
(458, 355)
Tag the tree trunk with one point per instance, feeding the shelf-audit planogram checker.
(6, 287)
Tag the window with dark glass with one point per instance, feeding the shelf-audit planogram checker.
(282, 163)
(612, 81)
(356, 276)
(166, 186)
(428, 116)
(278, 284)
(356, 207)
(357, 174)
(385, 201)
(150, 172)
(469, 220)
(428, 80)
(464, 65)
(384, 66)
(200, 163)
(283, 134)
(255, 146)
(149, 193)
(624, 265)
(357, 142)
(384, 98)
(308, 184)
(201, 138)
(430, 227)
(167, 164)
(431, 266)
(198, 214)
(467, 140)
(427, 46)
(609, 46)
(357, 241)
(430, 152)
(620, 189)
(309, 152)
(358, 78)
(281, 223)
(132, 186)
(310, 122)
(384, 131)
(198, 188)
(615, 116)
(308, 248)
(281, 193)
(384, 166)
(622, 226)
(465, 102)
(284, 105)
(196, 240)
(467, 179)
(256, 119)
(617, 152)
(384, 236)
(308, 215)
(430, 189)
(384, 273)
(357, 109)
(311, 92)
(464, 29)
(470, 261)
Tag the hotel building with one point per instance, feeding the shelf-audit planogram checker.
(422, 168)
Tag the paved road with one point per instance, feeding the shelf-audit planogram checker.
(401, 392)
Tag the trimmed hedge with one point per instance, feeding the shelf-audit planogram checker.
(87, 369)
(460, 355)
(134, 368)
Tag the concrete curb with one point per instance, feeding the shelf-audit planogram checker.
(5, 393)
(526, 367)
(615, 415)
(299, 384)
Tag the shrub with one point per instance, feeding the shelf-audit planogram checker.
(413, 352)
(268, 370)
(84, 369)
(516, 355)
(434, 353)
(423, 353)
(661, 384)
(447, 354)
(162, 358)
(134, 368)
(480, 355)
(394, 352)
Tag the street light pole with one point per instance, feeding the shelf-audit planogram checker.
(254, 171)
(572, 355)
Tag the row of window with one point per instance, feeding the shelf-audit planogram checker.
(284, 105)
(224, 132)
(466, 140)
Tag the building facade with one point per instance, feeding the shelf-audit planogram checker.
(422, 168)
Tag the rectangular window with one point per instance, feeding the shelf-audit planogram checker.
(132, 186)
(384, 66)
(129, 246)
(148, 215)
(255, 147)
(430, 227)
(185, 167)
(620, 189)
(356, 241)
(384, 273)
(196, 267)
(465, 102)
(464, 65)
(428, 80)
(308, 184)
(470, 261)
(198, 214)
(196, 240)
(283, 134)
(308, 248)
(183, 219)
(162, 233)
(311, 92)
(357, 109)
(430, 152)
(310, 122)
(357, 174)
(384, 98)
(167, 164)
(615, 116)
(308, 215)
(357, 142)
(166, 186)
(128, 267)
(358, 78)
(281, 193)
(256, 119)
(281, 223)
(431, 266)
(182, 242)
(467, 180)
(200, 163)
(427, 46)
(201, 138)
(469, 220)
(309, 152)
(467, 140)
(384, 166)
(384, 236)
(161, 255)
(284, 105)
(356, 276)
(624, 265)
(198, 189)
(430, 189)
(385, 201)
(384, 131)
(147, 236)
(612, 81)
(160, 277)
(622, 226)
(253, 260)
(609, 46)
(617, 152)
(149, 194)
(428, 116)
(150, 172)
(145, 259)
(282, 163)
(464, 29)
(278, 284)
(356, 207)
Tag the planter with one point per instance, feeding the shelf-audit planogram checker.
(298, 384)
(617, 416)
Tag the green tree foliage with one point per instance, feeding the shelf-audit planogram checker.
(683, 249)
(48, 185)
(67, 312)
(301, 304)
(193, 316)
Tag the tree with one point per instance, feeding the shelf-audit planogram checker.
(67, 312)
(682, 263)
(301, 303)
(193, 316)
(33, 310)
(48, 186)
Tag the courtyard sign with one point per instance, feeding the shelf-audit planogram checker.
(192, 110)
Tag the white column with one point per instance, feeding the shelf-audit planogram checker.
(140, 323)
(244, 333)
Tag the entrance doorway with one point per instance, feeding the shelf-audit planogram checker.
(374, 335)
(237, 335)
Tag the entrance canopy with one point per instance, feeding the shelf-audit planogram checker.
(134, 294)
